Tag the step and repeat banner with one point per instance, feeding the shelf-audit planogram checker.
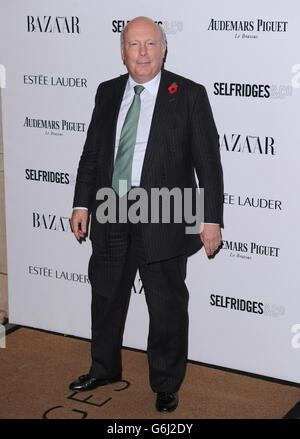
(245, 303)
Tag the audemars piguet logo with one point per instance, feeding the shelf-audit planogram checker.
(53, 24)
(57, 127)
(248, 28)
(246, 250)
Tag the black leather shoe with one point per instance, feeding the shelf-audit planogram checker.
(166, 402)
(87, 382)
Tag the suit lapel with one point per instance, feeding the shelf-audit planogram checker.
(165, 102)
(116, 100)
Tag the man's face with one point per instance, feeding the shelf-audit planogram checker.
(142, 51)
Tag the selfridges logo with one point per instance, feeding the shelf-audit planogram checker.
(41, 175)
(53, 24)
(118, 25)
(55, 81)
(248, 28)
(264, 91)
(246, 250)
(242, 90)
(170, 27)
(253, 202)
(245, 305)
(237, 304)
(248, 144)
(54, 127)
(52, 222)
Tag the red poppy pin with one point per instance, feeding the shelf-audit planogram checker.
(173, 88)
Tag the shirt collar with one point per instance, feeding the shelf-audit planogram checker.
(151, 86)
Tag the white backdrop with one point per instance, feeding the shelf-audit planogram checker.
(217, 44)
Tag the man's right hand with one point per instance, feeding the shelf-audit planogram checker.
(79, 222)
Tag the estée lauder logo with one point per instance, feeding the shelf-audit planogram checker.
(252, 201)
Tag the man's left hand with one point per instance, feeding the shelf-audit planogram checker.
(211, 238)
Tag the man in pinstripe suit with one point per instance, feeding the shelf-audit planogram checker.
(175, 136)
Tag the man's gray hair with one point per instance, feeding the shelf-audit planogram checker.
(163, 38)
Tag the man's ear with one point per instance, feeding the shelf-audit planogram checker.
(164, 52)
(122, 55)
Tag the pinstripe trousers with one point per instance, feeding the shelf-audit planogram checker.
(112, 270)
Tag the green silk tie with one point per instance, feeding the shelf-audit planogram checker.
(123, 161)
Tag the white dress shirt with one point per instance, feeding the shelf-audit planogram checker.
(148, 98)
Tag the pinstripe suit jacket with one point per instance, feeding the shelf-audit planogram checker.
(182, 139)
